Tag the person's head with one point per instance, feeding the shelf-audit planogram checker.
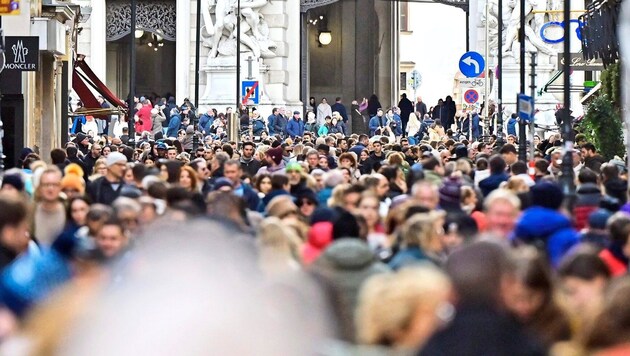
(588, 150)
(618, 227)
(77, 210)
(294, 172)
(480, 273)
(369, 208)
(232, 171)
(188, 178)
(426, 193)
(248, 149)
(351, 197)
(378, 147)
(111, 238)
(587, 175)
(502, 209)
(307, 203)
(201, 168)
(171, 153)
(381, 186)
(425, 231)
(14, 223)
(533, 290)
(497, 164)
(379, 112)
(116, 165)
(508, 152)
(263, 183)
(57, 156)
(403, 309)
(49, 185)
(611, 325)
(324, 101)
(583, 279)
(73, 184)
(96, 150)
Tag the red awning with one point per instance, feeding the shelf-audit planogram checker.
(83, 76)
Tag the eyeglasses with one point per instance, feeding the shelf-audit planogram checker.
(305, 202)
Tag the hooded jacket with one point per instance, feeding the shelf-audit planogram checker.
(548, 229)
(588, 198)
(319, 237)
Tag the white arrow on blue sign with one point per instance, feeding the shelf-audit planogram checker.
(472, 64)
(525, 107)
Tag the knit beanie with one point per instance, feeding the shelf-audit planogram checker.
(547, 195)
(450, 192)
(275, 154)
(115, 157)
(598, 219)
(14, 180)
(73, 178)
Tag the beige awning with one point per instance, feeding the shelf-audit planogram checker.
(592, 92)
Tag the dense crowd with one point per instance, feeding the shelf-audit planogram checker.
(411, 235)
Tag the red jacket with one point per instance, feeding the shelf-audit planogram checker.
(617, 268)
(145, 116)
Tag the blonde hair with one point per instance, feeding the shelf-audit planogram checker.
(388, 303)
(502, 195)
(336, 198)
(419, 230)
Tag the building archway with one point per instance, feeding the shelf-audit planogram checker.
(155, 46)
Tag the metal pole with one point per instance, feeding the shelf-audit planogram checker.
(1, 123)
(521, 40)
(532, 87)
(238, 59)
(303, 61)
(566, 178)
(132, 76)
(486, 106)
(197, 57)
(499, 120)
(468, 31)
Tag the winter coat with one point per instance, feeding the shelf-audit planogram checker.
(396, 125)
(408, 256)
(482, 330)
(157, 118)
(511, 126)
(375, 123)
(174, 126)
(250, 167)
(594, 163)
(271, 121)
(323, 110)
(588, 198)
(295, 128)
(492, 182)
(205, 122)
(617, 188)
(346, 264)
(548, 229)
(101, 191)
(280, 125)
(614, 257)
(319, 237)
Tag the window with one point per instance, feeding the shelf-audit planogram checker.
(404, 16)
(403, 80)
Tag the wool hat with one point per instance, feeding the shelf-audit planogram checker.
(547, 195)
(115, 157)
(324, 214)
(450, 192)
(14, 180)
(281, 206)
(73, 178)
(275, 154)
(294, 166)
(598, 219)
(222, 182)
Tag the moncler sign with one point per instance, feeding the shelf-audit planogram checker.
(21, 53)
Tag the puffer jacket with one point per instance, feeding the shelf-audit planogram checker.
(546, 229)
(319, 237)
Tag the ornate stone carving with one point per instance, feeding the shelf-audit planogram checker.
(306, 5)
(220, 23)
(158, 17)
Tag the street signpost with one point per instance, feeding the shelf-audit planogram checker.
(250, 91)
(472, 64)
(525, 107)
(416, 81)
(471, 96)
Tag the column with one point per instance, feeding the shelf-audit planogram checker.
(292, 90)
(98, 44)
(182, 51)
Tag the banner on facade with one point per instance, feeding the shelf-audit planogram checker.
(580, 64)
(9, 7)
(21, 53)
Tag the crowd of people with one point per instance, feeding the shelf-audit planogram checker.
(411, 235)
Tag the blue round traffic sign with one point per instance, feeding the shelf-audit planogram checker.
(471, 96)
(472, 64)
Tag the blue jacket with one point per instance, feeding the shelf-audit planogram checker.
(341, 109)
(271, 121)
(547, 228)
(511, 126)
(476, 130)
(295, 128)
(205, 122)
(396, 125)
(280, 125)
(408, 256)
(174, 125)
(375, 123)
(492, 182)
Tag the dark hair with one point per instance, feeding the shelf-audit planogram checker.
(507, 148)
(430, 163)
(542, 165)
(481, 164)
(58, 156)
(611, 326)
(587, 175)
(278, 181)
(518, 167)
(259, 179)
(589, 147)
(13, 211)
(619, 228)
(69, 206)
(583, 264)
(497, 164)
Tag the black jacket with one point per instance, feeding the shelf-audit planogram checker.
(101, 191)
(482, 331)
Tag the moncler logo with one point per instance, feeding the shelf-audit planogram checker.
(20, 52)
